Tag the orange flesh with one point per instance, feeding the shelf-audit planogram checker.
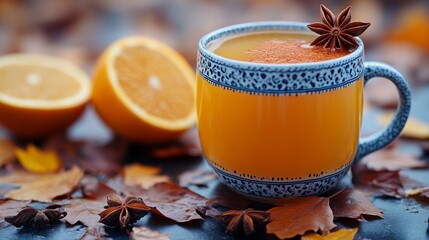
(35, 82)
(154, 83)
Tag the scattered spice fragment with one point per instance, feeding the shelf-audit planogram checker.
(31, 217)
(243, 220)
(123, 213)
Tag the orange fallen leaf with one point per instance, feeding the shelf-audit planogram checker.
(7, 151)
(387, 183)
(414, 128)
(43, 188)
(298, 215)
(392, 160)
(176, 203)
(350, 203)
(38, 161)
(144, 233)
(144, 176)
(342, 234)
(200, 177)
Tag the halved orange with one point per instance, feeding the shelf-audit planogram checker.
(144, 90)
(39, 94)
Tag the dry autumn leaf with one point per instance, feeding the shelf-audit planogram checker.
(199, 176)
(342, 234)
(423, 191)
(187, 146)
(175, 203)
(7, 151)
(144, 233)
(38, 161)
(298, 215)
(95, 190)
(10, 208)
(350, 203)
(388, 183)
(414, 128)
(392, 159)
(86, 212)
(43, 188)
(89, 156)
(144, 176)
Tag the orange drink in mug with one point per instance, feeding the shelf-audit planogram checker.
(274, 129)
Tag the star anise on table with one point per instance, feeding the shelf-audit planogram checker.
(337, 32)
(243, 220)
(123, 213)
(31, 217)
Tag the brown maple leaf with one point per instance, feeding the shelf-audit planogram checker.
(392, 159)
(145, 176)
(225, 197)
(90, 156)
(9, 208)
(43, 188)
(387, 183)
(86, 212)
(175, 203)
(93, 189)
(350, 203)
(298, 215)
(188, 145)
(199, 176)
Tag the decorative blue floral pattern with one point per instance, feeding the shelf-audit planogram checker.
(276, 79)
(276, 189)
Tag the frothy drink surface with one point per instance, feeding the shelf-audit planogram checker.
(273, 48)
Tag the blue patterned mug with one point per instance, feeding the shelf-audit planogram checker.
(280, 130)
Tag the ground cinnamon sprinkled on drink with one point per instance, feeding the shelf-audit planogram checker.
(291, 51)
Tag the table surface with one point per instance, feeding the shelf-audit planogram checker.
(404, 218)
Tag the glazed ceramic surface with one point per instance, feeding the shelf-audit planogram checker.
(280, 130)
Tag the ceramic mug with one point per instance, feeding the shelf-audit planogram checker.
(280, 130)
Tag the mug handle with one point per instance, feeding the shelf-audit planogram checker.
(385, 136)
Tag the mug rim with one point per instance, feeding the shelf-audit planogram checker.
(265, 25)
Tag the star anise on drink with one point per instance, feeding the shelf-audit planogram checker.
(31, 217)
(123, 213)
(243, 220)
(337, 32)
